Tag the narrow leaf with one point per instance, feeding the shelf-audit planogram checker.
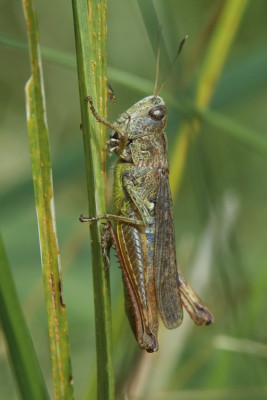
(19, 343)
(44, 199)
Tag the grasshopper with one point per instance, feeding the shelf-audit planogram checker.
(143, 229)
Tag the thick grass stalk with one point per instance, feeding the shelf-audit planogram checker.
(44, 200)
(212, 66)
(91, 36)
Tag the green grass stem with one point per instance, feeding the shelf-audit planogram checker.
(44, 200)
(91, 50)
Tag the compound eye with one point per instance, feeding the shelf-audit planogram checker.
(157, 113)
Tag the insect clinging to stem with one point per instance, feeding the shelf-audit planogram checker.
(143, 231)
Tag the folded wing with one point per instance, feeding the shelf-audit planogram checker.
(166, 274)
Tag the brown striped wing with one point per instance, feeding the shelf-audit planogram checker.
(140, 298)
(166, 274)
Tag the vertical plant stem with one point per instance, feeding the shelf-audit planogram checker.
(91, 49)
(212, 66)
(44, 199)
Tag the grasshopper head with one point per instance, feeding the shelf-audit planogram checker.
(143, 126)
(147, 116)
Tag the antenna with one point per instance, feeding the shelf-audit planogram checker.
(157, 61)
(171, 67)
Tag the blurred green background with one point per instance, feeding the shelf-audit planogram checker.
(220, 208)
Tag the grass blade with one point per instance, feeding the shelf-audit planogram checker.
(43, 190)
(153, 29)
(20, 347)
(90, 33)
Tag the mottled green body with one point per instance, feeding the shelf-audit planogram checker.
(141, 192)
(143, 234)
